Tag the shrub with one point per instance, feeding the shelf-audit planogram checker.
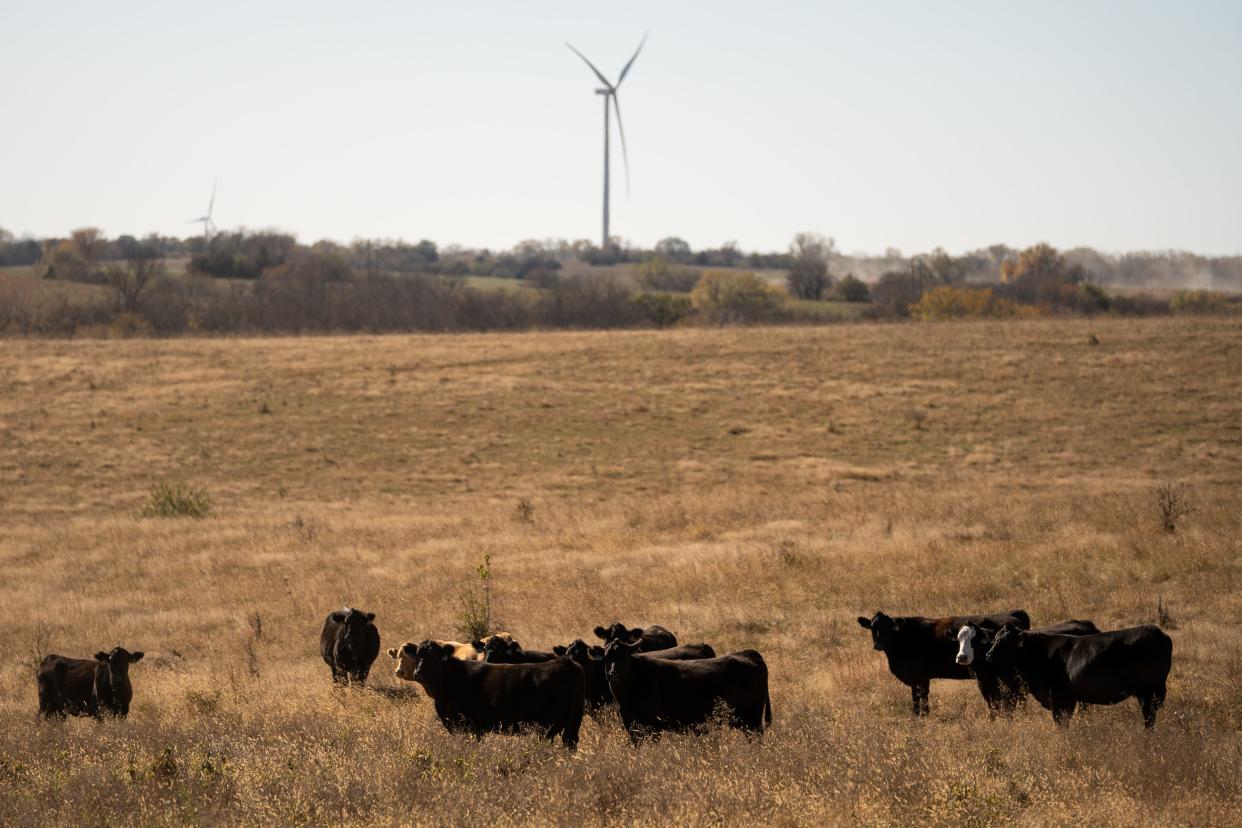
(1199, 302)
(661, 309)
(724, 296)
(947, 302)
(1139, 304)
(165, 500)
(658, 274)
(127, 324)
(1090, 299)
(476, 603)
(896, 291)
(852, 289)
(1172, 504)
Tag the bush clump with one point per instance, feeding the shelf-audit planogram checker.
(947, 302)
(852, 289)
(173, 500)
(1199, 302)
(732, 296)
(661, 309)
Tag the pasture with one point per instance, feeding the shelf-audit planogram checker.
(750, 488)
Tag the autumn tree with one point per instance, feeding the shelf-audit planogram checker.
(1041, 275)
(89, 243)
(808, 276)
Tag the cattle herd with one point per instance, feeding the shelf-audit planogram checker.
(657, 684)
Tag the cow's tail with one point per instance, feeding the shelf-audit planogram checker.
(767, 710)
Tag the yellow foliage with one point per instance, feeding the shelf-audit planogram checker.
(736, 296)
(947, 302)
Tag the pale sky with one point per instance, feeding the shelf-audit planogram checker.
(912, 124)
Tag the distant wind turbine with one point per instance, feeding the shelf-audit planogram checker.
(610, 92)
(209, 226)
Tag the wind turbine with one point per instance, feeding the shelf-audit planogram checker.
(208, 225)
(610, 93)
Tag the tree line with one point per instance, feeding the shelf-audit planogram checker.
(267, 281)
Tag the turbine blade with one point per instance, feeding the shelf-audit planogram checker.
(641, 43)
(625, 155)
(212, 203)
(598, 73)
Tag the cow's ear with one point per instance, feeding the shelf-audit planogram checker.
(392, 652)
(637, 632)
(446, 652)
(951, 634)
(478, 645)
(865, 623)
(101, 656)
(559, 650)
(135, 656)
(338, 617)
(370, 616)
(600, 632)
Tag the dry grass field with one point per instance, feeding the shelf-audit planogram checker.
(745, 487)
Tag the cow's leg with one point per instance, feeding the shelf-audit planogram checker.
(992, 692)
(919, 696)
(1150, 703)
(1062, 712)
(569, 732)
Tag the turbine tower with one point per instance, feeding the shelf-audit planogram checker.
(609, 93)
(208, 225)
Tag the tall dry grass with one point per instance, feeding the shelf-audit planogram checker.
(749, 488)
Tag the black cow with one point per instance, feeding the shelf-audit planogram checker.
(499, 651)
(349, 644)
(86, 686)
(1007, 689)
(481, 697)
(650, 638)
(591, 660)
(655, 694)
(1063, 671)
(919, 649)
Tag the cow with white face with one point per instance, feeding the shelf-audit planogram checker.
(1002, 687)
(965, 644)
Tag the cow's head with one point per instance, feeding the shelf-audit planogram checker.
(430, 659)
(582, 653)
(404, 656)
(500, 651)
(354, 622)
(1005, 645)
(117, 662)
(884, 629)
(969, 638)
(619, 632)
(480, 644)
(618, 660)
